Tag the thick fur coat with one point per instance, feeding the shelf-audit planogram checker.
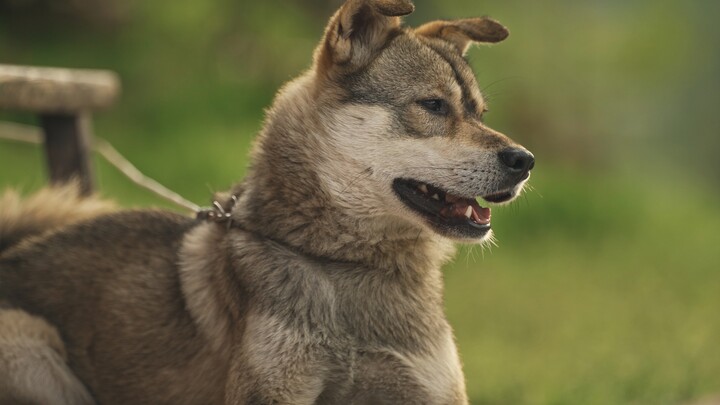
(326, 288)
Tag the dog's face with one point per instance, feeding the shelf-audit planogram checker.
(411, 117)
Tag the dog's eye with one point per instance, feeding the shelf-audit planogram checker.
(435, 106)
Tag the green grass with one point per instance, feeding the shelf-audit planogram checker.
(605, 286)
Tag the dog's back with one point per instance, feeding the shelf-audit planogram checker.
(106, 282)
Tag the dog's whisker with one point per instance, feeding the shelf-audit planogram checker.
(493, 83)
(435, 167)
(366, 172)
(529, 188)
(417, 239)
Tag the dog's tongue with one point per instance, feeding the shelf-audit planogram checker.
(481, 215)
(465, 208)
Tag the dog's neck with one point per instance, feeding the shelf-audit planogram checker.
(286, 198)
(312, 226)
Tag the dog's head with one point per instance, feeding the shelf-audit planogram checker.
(406, 119)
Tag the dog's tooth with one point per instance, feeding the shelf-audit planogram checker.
(423, 188)
(436, 197)
(468, 211)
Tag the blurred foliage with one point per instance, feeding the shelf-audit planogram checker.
(605, 287)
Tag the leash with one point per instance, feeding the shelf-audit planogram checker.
(215, 213)
(106, 150)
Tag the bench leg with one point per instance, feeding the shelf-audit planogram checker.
(67, 148)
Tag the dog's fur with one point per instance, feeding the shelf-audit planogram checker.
(326, 288)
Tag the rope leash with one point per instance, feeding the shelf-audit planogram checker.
(215, 213)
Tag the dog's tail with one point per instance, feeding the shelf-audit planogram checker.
(46, 210)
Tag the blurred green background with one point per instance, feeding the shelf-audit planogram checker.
(605, 285)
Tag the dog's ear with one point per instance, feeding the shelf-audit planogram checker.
(462, 33)
(359, 29)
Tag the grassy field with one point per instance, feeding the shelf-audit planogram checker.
(586, 299)
(605, 284)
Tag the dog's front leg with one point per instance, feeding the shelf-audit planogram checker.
(33, 366)
(275, 364)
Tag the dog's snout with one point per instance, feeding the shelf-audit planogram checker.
(517, 160)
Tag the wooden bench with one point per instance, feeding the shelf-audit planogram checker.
(64, 100)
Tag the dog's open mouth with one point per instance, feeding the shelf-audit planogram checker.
(449, 214)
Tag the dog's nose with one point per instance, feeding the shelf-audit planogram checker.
(517, 160)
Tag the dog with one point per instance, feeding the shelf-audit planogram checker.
(318, 278)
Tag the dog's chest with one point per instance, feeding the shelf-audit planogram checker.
(388, 376)
(338, 333)
(331, 369)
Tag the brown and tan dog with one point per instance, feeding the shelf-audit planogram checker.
(327, 287)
